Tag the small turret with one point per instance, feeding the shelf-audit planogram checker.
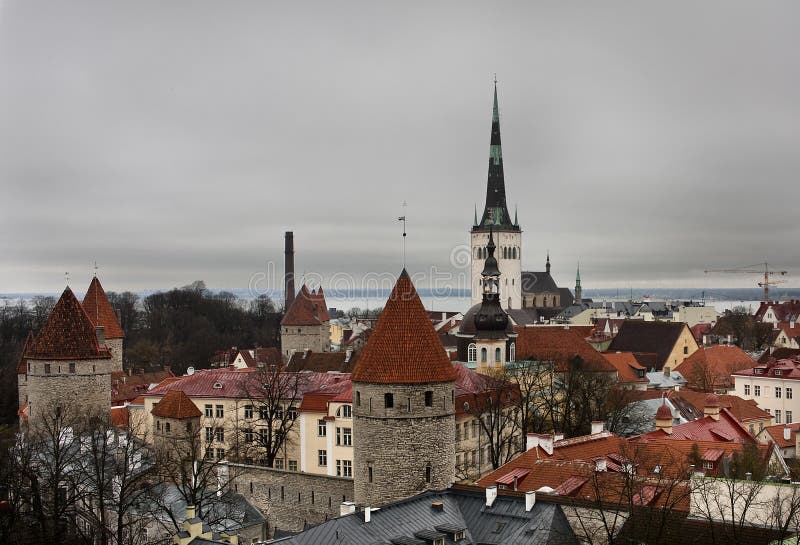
(712, 406)
(664, 418)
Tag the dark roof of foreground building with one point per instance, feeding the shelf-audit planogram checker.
(642, 336)
(100, 311)
(403, 348)
(322, 362)
(419, 519)
(68, 334)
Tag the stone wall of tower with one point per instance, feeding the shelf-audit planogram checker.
(84, 392)
(297, 338)
(115, 346)
(398, 443)
(22, 389)
(171, 436)
(509, 261)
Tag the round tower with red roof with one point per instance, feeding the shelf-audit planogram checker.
(69, 365)
(403, 410)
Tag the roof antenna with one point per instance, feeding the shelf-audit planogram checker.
(402, 218)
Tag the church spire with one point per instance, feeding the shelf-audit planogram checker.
(496, 211)
(578, 289)
(547, 265)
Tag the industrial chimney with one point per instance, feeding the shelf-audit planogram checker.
(288, 263)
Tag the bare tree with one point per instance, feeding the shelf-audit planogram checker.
(496, 409)
(273, 397)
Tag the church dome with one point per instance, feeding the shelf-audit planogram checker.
(489, 323)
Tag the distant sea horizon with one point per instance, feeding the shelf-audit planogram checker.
(443, 299)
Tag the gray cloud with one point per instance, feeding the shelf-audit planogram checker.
(175, 141)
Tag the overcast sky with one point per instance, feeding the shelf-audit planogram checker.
(174, 141)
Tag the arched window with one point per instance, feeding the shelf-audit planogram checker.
(484, 355)
(166, 427)
(514, 253)
(497, 355)
(472, 353)
(512, 356)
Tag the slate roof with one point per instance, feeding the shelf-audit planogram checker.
(305, 309)
(176, 404)
(559, 344)
(505, 522)
(642, 336)
(538, 282)
(68, 334)
(715, 362)
(403, 348)
(99, 310)
(321, 362)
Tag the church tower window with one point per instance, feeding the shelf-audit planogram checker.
(472, 353)
(497, 355)
(388, 400)
(484, 355)
(512, 356)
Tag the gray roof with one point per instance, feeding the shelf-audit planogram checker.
(538, 282)
(659, 380)
(404, 521)
(468, 327)
(524, 316)
(566, 297)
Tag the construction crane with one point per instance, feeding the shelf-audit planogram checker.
(751, 269)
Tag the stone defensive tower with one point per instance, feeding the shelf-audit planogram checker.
(69, 365)
(100, 312)
(306, 325)
(403, 410)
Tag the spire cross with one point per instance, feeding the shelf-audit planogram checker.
(66, 278)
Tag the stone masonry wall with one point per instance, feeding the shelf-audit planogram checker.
(88, 389)
(290, 499)
(115, 345)
(22, 388)
(398, 443)
(305, 337)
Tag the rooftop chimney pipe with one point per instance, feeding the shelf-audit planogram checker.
(288, 286)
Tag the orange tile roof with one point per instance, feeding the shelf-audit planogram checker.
(176, 404)
(726, 429)
(776, 433)
(404, 348)
(22, 366)
(321, 305)
(714, 363)
(100, 312)
(558, 344)
(626, 365)
(304, 310)
(68, 334)
(120, 417)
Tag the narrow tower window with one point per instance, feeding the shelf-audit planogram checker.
(428, 472)
(484, 355)
(497, 355)
(388, 400)
(429, 398)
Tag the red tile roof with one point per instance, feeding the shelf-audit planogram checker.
(318, 297)
(252, 357)
(776, 433)
(68, 334)
(727, 429)
(559, 344)
(120, 417)
(22, 366)
(783, 311)
(711, 366)
(404, 348)
(99, 310)
(305, 309)
(126, 387)
(785, 369)
(698, 330)
(627, 367)
(176, 404)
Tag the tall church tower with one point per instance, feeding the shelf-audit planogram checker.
(508, 235)
(404, 405)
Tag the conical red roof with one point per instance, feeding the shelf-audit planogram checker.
(176, 404)
(403, 348)
(68, 334)
(22, 366)
(303, 310)
(97, 306)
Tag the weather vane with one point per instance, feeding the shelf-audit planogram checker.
(95, 268)
(66, 278)
(402, 218)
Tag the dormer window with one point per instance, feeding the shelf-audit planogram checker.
(217, 385)
(777, 372)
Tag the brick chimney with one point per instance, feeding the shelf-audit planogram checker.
(711, 407)
(288, 265)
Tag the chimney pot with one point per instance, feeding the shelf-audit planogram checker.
(530, 500)
(289, 269)
(437, 506)
(491, 495)
(600, 464)
(347, 508)
(190, 512)
(597, 427)
(531, 441)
